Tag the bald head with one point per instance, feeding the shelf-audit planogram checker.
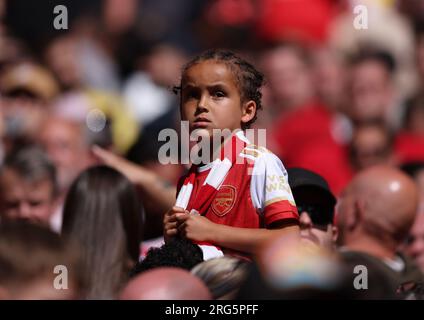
(166, 284)
(381, 202)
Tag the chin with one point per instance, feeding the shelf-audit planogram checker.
(201, 133)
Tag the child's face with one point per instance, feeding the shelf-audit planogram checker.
(211, 99)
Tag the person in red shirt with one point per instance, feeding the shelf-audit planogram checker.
(309, 130)
(240, 196)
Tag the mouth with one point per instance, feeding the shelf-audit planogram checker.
(307, 236)
(201, 122)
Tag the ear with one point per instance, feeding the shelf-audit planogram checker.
(334, 233)
(248, 111)
(356, 215)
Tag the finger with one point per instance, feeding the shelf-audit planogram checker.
(171, 225)
(172, 218)
(181, 225)
(171, 232)
(182, 217)
(176, 209)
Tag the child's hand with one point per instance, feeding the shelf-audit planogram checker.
(170, 222)
(195, 227)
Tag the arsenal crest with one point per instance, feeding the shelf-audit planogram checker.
(224, 200)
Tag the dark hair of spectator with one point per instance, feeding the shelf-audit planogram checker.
(103, 216)
(179, 253)
(29, 252)
(377, 55)
(414, 106)
(32, 164)
(248, 80)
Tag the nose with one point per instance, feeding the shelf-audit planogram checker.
(24, 210)
(202, 106)
(417, 247)
(305, 220)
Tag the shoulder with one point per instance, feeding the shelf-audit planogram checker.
(262, 160)
(258, 154)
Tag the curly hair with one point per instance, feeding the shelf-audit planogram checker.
(180, 253)
(248, 80)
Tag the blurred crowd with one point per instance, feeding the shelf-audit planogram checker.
(80, 113)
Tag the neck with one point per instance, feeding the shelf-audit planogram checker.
(372, 247)
(215, 149)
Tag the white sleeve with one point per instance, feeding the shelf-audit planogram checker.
(270, 190)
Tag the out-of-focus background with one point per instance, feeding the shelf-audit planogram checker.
(341, 98)
(344, 84)
(344, 90)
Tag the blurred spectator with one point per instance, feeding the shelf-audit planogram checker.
(12, 49)
(315, 204)
(419, 53)
(35, 28)
(227, 23)
(28, 186)
(372, 87)
(27, 91)
(287, 70)
(330, 75)
(78, 62)
(119, 16)
(372, 144)
(223, 276)
(158, 195)
(29, 257)
(62, 59)
(178, 253)
(414, 116)
(395, 37)
(416, 171)
(375, 214)
(103, 217)
(104, 115)
(309, 135)
(65, 142)
(304, 20)
(409, 143)
(148, 91)
(165, 284)
(415, 241)
(296, 270)
(67, 56)
(159, 22)
(414, 9)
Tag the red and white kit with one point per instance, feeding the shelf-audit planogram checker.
(246, 187)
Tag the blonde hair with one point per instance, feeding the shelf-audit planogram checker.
(223, 276)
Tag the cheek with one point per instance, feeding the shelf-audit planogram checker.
(321, 235)
(185, 111)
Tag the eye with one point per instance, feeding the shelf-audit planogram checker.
(190, 94)
(219, 94)
(12, 205)
(409, 240)
(35, 203)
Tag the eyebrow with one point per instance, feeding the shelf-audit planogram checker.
(213, 85)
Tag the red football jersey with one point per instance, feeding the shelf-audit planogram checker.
(255, 195)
